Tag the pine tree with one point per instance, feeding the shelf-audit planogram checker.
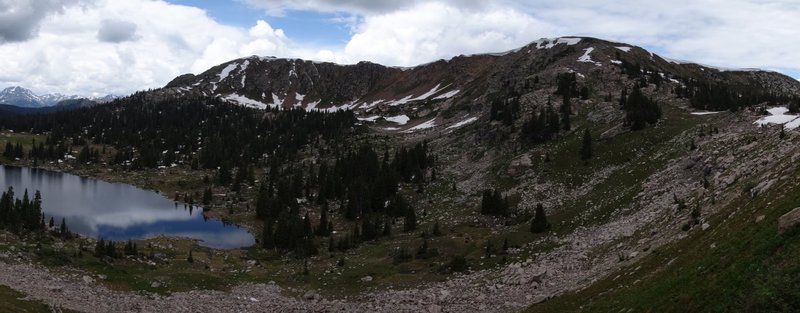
(586, 146)
(307, 231)
(493, 203)
(423, 249)
(267, 238)
(64, 230)
(410, 222)
(100, 248)
(566, 111)
(539, 223)
(322, 229)
(387, 228)
(436, 231)
(207, 196)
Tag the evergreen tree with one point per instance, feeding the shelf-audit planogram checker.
(586, 145)
(100, 248)
(207, 196)
(322, 229)
(64, 231)
(493, 203)
(566, 112)
(436, 231)
(410, 222)
(267, 239)
(640, 111)
(539, 223)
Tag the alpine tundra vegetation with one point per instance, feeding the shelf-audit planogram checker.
(568, 174)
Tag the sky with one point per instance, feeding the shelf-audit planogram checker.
(99, 47)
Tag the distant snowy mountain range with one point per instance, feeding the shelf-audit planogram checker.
(22, 97)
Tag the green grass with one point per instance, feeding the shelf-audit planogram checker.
(751, 267)
(374, 259)
(11, 301)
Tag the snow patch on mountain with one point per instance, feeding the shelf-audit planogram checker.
(404, 100)
(623, 48)
(446, 95)
(242, 70)
(429, 93)
(587, 58)
(706, 113)
(426, 125)
(399, 120)
(276, 101)
(778, 116)
(312, 106)
(462, 123)
(347, 106)
(369, 105)
(369, 119)
(245, 101)
(411, 98)
(547, 43)
(227, 71)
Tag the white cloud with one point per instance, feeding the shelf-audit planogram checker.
(20, 19)
(111, 46)
(116, 31)
(97, 49)
(430, 31)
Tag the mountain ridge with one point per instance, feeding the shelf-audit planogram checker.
(376, 91)
(26, 98)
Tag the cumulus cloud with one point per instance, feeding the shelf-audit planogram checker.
(20, 19)
(430, 31)
(116, 31)
(733, 33)
(54, 45)
(70, 54)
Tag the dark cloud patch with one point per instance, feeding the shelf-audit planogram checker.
(20, 19)
(116, 31)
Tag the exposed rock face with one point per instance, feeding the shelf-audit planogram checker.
(789, 220)
(273, 82)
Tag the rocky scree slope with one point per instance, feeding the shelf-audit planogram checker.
(623, 206)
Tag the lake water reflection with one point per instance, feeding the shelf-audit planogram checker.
(115, 211)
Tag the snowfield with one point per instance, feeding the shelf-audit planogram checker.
(462, 123)
(706, 113)
(399, 120)
(245, 101)
(587, 58)
(446, 95)
(778, 116)
(547, 43)
(426, 125)
(369, 119)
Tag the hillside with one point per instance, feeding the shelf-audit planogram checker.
(661, 182)
(25, 98)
